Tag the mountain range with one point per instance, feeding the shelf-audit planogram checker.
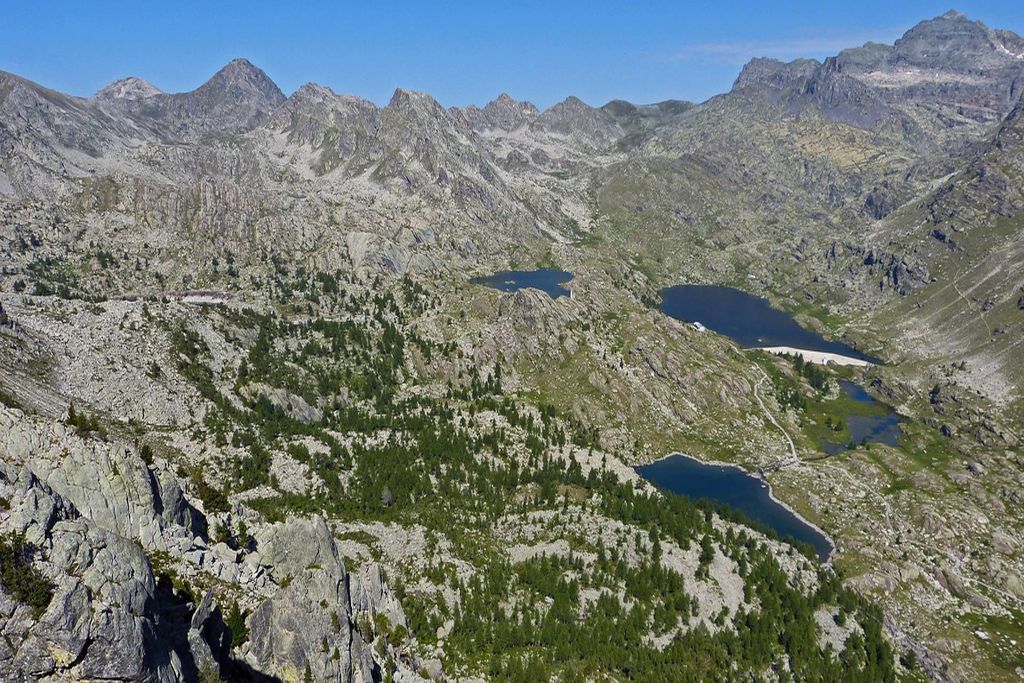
(781, 174)
(877, 195)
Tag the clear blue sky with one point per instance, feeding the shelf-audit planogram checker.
(461, 53)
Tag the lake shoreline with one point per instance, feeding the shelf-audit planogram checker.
(812, 356)
(771, 495)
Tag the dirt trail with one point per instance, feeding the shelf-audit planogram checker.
(970, 304)
(793, 458)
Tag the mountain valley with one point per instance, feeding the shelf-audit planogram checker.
(257, 423)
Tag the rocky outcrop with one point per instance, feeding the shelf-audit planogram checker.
(880, 202)
(102, 619)
(290, 404)
(309, 624)
(92, 509)
(209, 639)
(108, 483)
(895, 272)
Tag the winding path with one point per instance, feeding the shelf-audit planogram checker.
(793, 458)
(970, 304)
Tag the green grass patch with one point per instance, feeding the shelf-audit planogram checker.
(1001, 630)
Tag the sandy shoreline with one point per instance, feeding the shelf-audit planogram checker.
(819, 357)
(771, 495)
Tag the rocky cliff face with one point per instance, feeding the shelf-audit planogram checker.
(110, 535)
(101, 620)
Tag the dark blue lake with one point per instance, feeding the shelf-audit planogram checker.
(733, 487)
(882, 426)
(545, 279)
(748, 320)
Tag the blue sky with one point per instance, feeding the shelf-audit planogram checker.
(461, 53)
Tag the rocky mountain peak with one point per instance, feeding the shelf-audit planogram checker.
(504, 101)
(405, 98)
(240, 80)
(235, 100)
(416, 104)
(950, 62)
(571, 103)
(312, 90)
(508, 113)
(948, 41)
(574, 117)
(313, 96)
(571, 109)
(130, 88)
(766, 71)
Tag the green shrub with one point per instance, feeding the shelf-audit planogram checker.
(214, 499)
(85, 424)
(235, 619)
(19, 578)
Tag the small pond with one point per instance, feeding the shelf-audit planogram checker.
(878, 424)
(545, 279)
(733, 487)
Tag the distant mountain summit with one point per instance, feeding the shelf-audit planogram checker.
(130, 88)
(503, 112)
(236, 99)
(944, 72)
